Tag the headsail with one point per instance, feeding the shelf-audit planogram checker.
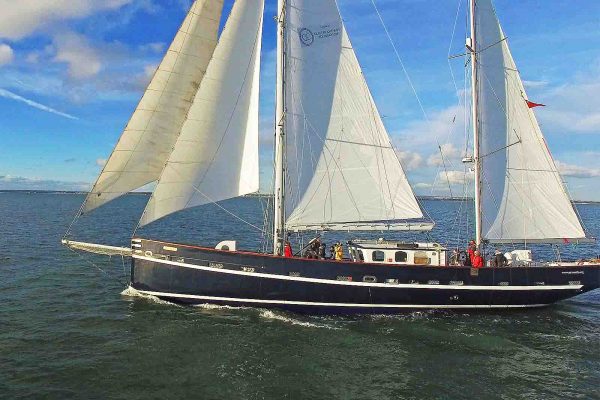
(522, 195)
(216, 154)
(146, 143)
(342, 171)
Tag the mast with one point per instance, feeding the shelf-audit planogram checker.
(279, 205)
(472, 47)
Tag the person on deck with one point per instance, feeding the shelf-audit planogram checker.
(287, 249)
(339, 252)
(471, 250)
(499, 259)
(463, 259)
(454, 257)
(477, 261)
(322, 251)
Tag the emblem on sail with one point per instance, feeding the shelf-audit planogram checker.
(306, 36)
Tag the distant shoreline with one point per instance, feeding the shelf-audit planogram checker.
(254, 195)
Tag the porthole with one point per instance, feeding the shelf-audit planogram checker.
(378, 256)
(401, 256)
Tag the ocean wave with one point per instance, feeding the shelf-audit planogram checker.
(272, 315)
(131, 292)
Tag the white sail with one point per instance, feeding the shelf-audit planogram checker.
(342, 170)
(146, 143)
(522, 195)
(216, 154)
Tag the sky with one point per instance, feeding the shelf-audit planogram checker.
(72, 72)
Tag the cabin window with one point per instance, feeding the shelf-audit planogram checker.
(361, 256)
(421, 258)
(401, 256)
(378, 256)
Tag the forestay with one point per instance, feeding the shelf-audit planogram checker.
(342, 170)
(146, 143)
(216, 154)
(523, 197)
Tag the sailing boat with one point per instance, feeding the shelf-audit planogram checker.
(195, 132)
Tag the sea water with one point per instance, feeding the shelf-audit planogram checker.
(70, 329)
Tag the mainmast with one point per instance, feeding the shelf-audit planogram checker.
(472, 47)
(279, 206)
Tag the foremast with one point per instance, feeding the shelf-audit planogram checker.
(472, 47)
(279, 191)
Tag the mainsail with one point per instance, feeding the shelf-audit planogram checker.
(216, 154)
(341, 169)
(146, 143)
(522, 195)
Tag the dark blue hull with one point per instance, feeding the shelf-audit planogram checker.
(194, 275)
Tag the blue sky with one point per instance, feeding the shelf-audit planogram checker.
(71, 74)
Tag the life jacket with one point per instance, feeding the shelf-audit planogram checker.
(339, 253)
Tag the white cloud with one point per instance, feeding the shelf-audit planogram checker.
(447, 182)
(21, 18)
(101, 162)
(455, 177)
(7, 54)
(442, 126)
(577, 171)
(156, 47)
(534, 84)
(573, 107)
(410, 160)
(83, 60)
(10, 95)
(450, 152)
(8, 182)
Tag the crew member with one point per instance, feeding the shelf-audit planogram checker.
(499, 259)
(454, 257)
(471, 250)
(477, 261)
(322, 251)
(287, 249)
(339, 251)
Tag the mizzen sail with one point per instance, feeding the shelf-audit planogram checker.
(342, 170)
(522, 195)
(216, 155)
(146, 143)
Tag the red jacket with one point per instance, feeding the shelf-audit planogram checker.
(287, 250)
(477, 261)
(471, 252)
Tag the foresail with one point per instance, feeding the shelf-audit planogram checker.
(523, 196)
(216, 155)
(341, 167)
(148, 139)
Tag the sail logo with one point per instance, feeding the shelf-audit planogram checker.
(306, 36)
(317, 34)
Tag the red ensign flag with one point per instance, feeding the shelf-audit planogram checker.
(531, 104)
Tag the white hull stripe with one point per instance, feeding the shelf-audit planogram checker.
(318, 304)
(363, 284)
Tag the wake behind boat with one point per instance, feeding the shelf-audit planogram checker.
(195, 132)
